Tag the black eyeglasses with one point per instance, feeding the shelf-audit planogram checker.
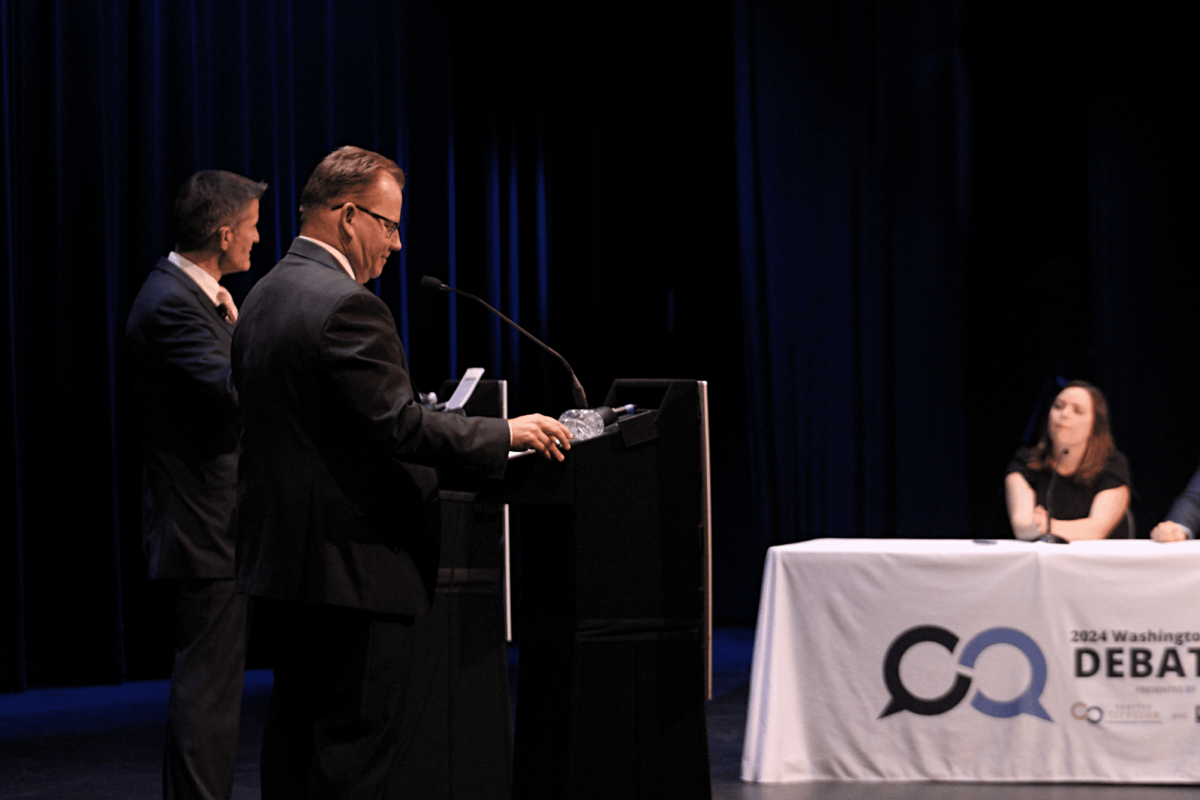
(388, 226)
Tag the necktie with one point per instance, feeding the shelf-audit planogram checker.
(225, 304)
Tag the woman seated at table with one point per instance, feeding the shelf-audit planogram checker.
(1074, 484)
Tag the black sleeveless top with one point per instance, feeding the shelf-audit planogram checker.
(1070, 499)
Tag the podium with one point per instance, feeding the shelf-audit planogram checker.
(615, 604)
(458, 740)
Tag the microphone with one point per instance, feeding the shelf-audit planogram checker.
(1049, 536)
(580, 397)
(433, 284)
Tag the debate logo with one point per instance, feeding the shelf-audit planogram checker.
(902, 700)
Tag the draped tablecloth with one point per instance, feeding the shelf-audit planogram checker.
(878, 659)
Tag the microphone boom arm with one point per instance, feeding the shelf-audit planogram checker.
(579, 396)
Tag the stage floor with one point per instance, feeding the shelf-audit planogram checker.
(106, 743)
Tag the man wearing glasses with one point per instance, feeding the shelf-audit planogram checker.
(338, 533)
(180, 329)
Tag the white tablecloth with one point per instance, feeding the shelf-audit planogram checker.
(1010, 661)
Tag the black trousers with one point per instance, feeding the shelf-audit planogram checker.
(205, 705)
(343, 705)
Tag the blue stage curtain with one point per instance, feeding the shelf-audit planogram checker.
(852, 181)
(544, 160)
(107, 107)
(876, 228)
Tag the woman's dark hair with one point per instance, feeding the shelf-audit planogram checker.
(1100, 443)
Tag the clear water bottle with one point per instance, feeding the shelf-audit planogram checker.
(588, 423)
(583, 423)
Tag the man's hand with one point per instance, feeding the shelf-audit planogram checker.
(1167, 531)
(538, 432)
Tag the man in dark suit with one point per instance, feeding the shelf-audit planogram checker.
(338, 531)
(1183, 520)
(180, 330)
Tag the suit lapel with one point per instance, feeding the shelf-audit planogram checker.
(202, 299)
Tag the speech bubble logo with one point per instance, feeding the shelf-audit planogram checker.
(902, 699)
(1029, 701)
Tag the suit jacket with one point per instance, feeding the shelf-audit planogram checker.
(337, 491)
(188, 411)
(1186, 508)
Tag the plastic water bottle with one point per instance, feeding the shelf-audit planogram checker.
(588, 423)
(583, 423)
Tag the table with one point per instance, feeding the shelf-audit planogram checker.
(957, 660)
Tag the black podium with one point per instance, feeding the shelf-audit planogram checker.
(615, 614)
(458, 739)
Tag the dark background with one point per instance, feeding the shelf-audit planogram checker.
(880, 229)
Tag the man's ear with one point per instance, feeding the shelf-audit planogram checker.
(345, 230)
(226, 237)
